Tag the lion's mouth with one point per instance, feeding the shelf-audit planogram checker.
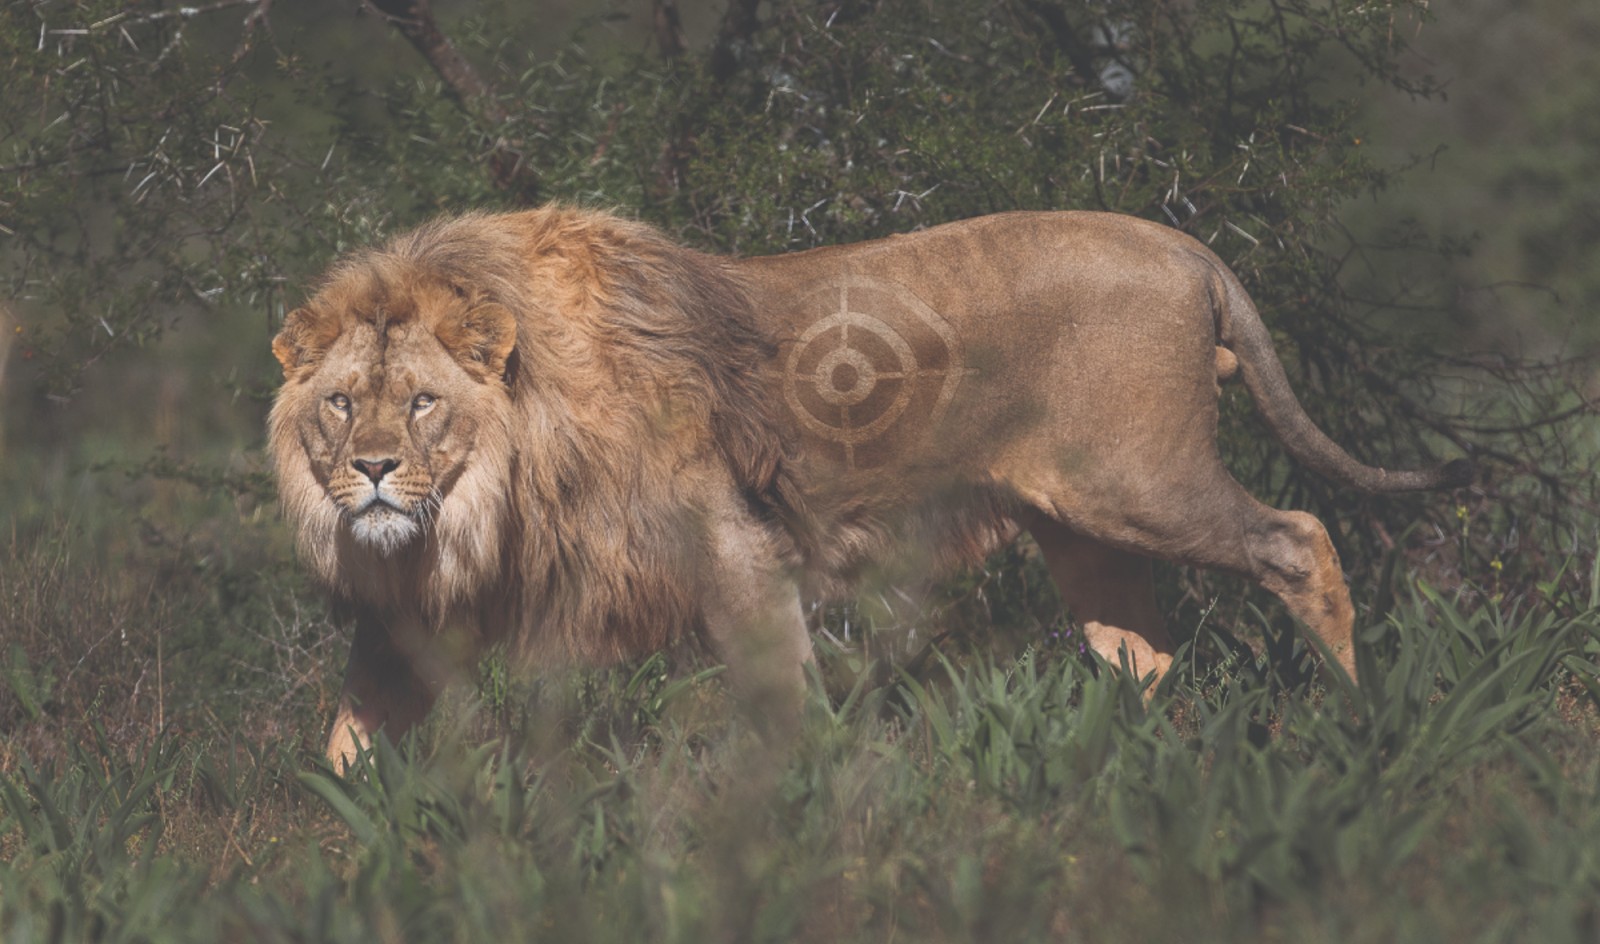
(377, 503)
(383, 526)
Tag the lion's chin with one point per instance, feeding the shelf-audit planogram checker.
(384, 529)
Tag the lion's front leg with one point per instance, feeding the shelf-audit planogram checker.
(751, 608)
(385, 688)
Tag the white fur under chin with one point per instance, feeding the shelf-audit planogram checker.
(385, 530)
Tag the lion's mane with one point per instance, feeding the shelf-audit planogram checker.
(636, 360)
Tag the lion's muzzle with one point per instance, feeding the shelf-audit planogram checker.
(379, 515)
(375, 469)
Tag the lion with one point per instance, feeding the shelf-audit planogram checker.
(559, 432)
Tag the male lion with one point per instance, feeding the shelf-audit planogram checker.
(559, 431)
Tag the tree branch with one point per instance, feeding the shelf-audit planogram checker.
(669, 29)
(1076, 50)
(739, 23)
(414, 19)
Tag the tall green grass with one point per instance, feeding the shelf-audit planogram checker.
(1035, 797)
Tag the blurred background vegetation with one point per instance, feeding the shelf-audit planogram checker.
(1409, 193)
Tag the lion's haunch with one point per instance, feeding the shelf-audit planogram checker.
(557, 431)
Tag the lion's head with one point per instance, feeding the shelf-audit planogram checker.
(402, 386)
(391, 431)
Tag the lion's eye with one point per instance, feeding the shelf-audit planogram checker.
(422, 403)
(340, 402)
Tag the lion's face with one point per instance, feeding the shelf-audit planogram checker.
(388, 397)
(393, 422)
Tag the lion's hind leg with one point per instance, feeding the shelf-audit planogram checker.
(1205, 518)
(1111, 595)
(1293, 557)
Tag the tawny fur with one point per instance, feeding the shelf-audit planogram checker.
(572, 531)
(606, 441)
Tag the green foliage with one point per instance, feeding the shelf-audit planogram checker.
(31, 688)
(121, 153)
(1341, 787)
(166, 676)
(1507, 171)
(168, 167)
(88, 866)
(1447, 799)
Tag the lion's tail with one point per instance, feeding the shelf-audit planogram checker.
(1242, 331)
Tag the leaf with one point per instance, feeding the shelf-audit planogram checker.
(330, 788)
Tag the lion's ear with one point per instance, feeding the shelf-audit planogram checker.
(305, 337)
(481, 339)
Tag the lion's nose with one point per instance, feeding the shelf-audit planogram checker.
(375, 469)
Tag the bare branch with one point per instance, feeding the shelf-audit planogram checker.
(739, 23)
(1067, 40)
(414, 19)
(669, 29)
(130, 18)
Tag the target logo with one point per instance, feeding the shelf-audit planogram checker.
(875, 367)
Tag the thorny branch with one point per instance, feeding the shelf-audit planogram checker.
(130, 18)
